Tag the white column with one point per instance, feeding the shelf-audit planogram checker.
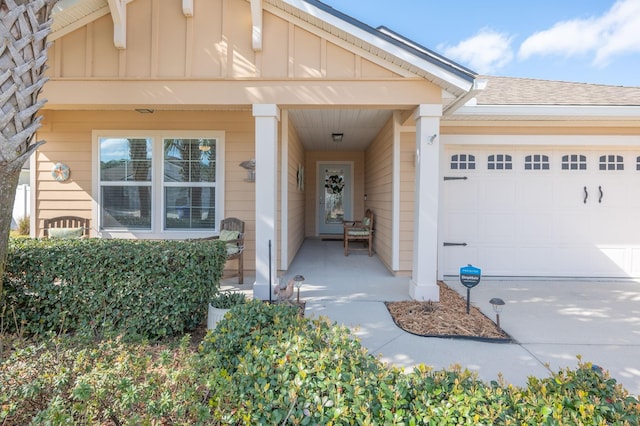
(266, 118)
(424, 285)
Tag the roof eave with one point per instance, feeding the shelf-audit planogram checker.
(582, 111)
(446, 74)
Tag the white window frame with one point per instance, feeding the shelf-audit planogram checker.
(157, 137)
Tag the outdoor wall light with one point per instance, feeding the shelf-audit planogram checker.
(337, 137)
(298, 279)
(497, 305)
(250, 166)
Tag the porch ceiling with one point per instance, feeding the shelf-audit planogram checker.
(359, 127)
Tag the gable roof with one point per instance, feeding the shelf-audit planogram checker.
(390, 46)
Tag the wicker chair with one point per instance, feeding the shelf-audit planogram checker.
(359, 230)
(66, 227)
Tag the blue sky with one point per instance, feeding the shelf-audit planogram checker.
(589, 41)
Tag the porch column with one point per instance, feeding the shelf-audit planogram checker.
(266, 117)
(424, 285)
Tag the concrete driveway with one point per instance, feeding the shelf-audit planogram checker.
(551, 322)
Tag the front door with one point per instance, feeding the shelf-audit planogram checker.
(335, 200)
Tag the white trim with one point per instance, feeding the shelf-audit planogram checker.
(157, 230)
(542, 140)
(256, 25)
(33, 224)
(187, 8)
(395, 205)
(284, 190)
(118, 9)
(579, 111)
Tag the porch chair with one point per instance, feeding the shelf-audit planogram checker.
(232, 232)
(359, 230)
(66, 227)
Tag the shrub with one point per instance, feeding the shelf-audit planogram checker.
(99, 286)
(266, 365)
(61, 381)
(24, 226)
(227, 299)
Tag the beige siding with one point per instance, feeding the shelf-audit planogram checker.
(379, 190)
(296, 223)
(68, 135)
(312, 158)
(407, 199)
(214, 43)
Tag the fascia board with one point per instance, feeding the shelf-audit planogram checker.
(380, 43)
(550, 111)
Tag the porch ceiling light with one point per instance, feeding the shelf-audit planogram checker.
(337, 137)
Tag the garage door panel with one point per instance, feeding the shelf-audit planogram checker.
(461, 227)
(497, 227)
(456, 257)
(533, 221)
(535, 228)
(571, 227)
(535, 194)
(497, 195)
(496, 260)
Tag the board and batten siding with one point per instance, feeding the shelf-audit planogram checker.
(379, 190)
(69, 140)
(214, 43)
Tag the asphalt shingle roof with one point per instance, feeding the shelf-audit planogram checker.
(527, 91)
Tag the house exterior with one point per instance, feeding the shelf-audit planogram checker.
(154, 104)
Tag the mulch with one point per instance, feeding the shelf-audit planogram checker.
(446, 318)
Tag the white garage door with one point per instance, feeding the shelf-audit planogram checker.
(541, 212)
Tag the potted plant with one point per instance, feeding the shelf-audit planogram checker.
(221, 303)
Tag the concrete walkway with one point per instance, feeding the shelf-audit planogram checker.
(552, 322)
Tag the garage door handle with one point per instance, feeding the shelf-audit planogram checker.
(454, 244)
(601, 194)
(586, 195)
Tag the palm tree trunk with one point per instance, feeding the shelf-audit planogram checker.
(24, 26)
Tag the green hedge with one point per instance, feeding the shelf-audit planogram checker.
(99, 286)
(264, 365)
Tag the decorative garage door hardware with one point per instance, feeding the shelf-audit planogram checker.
(454, 244)
(455, 178)
(600, 196)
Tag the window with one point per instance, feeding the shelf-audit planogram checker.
(151, 183)
(536, 162)
(499, 162)
(463, 162)
(611, 162)
(574, 162)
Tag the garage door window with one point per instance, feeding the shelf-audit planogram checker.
(536, 162)
(463, 162)
(574, 162)
(499, 162)
(611, 162)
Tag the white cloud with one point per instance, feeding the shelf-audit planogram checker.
(612, 34)
(485, 52)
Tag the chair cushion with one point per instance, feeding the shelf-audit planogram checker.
(358, 232)
(366, 221)
(232, 249)
(226, 235)
(65, 232)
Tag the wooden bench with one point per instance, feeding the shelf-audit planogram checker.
(66, 227)
(359, 230)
